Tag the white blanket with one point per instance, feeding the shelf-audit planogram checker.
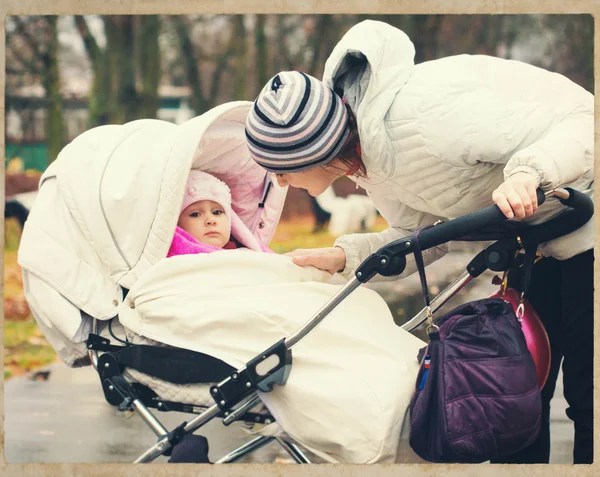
(352, 377)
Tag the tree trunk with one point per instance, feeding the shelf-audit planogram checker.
(221, 64)
(100, 91)
(150, 68)
(262, 58)
(422, 30)
(282, 61)
(51, 83)
(125, 72)
(117, 96)
(198, 100)
(122, 99)
(320, 44)
(240, 58)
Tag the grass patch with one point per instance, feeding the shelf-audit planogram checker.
(17, 333)
(25, 348)
(12, 234)
(298, 233)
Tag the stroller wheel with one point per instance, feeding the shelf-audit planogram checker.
(192, 449)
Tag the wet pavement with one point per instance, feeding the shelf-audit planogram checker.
(66, 420)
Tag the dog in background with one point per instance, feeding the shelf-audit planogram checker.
(19, 205)
(352, 214)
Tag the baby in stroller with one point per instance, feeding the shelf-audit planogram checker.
(207, 222)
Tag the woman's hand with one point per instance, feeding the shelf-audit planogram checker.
(516, 197)
(330, 259)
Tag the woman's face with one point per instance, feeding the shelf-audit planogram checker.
(206, 221)
(315, 181)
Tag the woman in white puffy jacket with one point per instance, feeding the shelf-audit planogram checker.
(439, 140)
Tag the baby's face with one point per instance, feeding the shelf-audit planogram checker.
(206, 221)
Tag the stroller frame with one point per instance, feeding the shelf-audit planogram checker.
(237, 394)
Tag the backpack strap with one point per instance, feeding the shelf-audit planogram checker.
(416, 249)
(528, 262)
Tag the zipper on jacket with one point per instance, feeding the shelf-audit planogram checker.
(261, 204)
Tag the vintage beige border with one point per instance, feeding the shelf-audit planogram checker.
(25, 7)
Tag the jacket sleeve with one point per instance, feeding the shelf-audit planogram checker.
(403, 221)
(561, 156)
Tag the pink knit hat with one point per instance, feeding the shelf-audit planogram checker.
(203, 186)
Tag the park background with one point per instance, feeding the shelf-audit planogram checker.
(66, 74)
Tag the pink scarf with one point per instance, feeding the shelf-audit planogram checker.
(184, 244)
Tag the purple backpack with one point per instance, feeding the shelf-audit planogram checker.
(476, 395)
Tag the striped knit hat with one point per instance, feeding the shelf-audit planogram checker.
(296, 123)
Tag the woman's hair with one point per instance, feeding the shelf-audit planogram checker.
(349, 154)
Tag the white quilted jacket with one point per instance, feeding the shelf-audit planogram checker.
(437, 138)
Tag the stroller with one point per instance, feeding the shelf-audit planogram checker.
(92, 255)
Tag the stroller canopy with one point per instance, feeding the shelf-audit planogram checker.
(108, 206)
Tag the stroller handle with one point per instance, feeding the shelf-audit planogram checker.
(466, 224)
(390, 260)
(582, 205)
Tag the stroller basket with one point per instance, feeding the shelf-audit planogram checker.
(235, 395)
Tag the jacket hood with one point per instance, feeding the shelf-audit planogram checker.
(385, 56)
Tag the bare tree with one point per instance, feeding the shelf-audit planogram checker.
(149, 71)
(262, 52)
(322, 40)
(203, 64)
(51, 83)
(32, 58)
(125, 84)
(239, 58)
